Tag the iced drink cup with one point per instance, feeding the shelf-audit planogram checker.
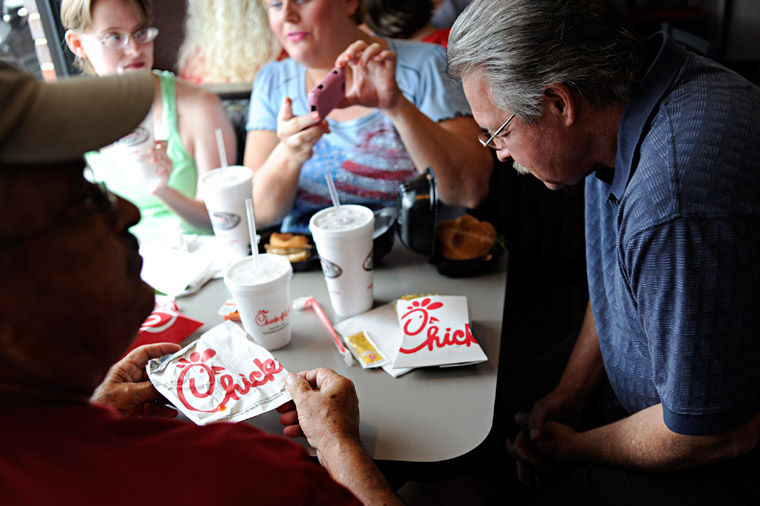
(225, 191)
(132, 150)
(261, 290)
(344, 245)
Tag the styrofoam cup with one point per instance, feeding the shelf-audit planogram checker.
(225, 191)
(261, 290)
(133, 148)
(344, 245)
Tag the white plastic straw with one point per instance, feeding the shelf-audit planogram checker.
(252, 230)
(220, 147)
(333, 193)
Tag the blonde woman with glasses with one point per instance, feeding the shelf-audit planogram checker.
(116, 36)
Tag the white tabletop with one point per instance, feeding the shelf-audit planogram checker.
(428, 415)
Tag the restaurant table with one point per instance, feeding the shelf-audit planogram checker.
(430, 414)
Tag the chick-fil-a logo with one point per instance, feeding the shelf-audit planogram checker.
(418, 318)
(159, 321)
(232, 391)
(263, 319)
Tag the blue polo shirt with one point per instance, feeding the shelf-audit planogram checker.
(673, 246)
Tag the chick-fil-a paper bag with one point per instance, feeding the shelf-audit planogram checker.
(165, 325)
(224, 375)
(436, 331)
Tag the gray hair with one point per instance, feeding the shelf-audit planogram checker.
(526, 45)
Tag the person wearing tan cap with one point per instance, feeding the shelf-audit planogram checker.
(71, 301)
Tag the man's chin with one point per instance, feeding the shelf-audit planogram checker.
(147, 300)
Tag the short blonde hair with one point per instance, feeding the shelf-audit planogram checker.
(76, 15)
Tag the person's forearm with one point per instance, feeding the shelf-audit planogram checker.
(585, 370)
(275, 185)
(462, 167)
(190, 210)
(352, 467)
(642, 441)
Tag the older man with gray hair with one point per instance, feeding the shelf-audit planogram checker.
(666, 143)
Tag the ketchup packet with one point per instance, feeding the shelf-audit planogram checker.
(224, 375)
(165, 325)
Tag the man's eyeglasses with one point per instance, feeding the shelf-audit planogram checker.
(96, 199)
(494, 141)
(118, 39)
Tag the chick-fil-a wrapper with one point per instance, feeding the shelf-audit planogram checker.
(165, 325)
(224, 375)
(436, 331)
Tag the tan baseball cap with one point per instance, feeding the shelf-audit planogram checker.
(57, 121)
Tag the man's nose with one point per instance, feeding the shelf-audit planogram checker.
(503, 154)
(126, 214)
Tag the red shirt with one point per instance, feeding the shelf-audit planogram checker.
(87, 455)
(440, 36)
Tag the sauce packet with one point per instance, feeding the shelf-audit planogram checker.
(364, 349)
(224, 375)
(229, 311)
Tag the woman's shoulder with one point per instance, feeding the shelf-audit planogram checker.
(280, 71)
(412, 52)
(193, 95)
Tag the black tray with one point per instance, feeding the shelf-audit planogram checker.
(468, 268)
(306, 265)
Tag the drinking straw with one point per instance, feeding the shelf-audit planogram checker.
(220, 147)
(252, 230)
(333, 193)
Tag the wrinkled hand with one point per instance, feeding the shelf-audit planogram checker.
(373, 76)
(160, 159)
(299, 133)
(325, 409)
(126, 387)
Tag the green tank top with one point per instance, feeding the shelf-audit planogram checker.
(157, 219)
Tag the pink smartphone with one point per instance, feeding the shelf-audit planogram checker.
(328, 93)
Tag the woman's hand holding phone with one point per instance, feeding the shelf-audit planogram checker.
(373, 76)
(299, 134)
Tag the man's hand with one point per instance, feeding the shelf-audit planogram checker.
(325, 409)
(540, 443)
(126, 387)
(536, 454)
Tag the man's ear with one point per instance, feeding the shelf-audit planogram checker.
(559, 100)
(74, 41)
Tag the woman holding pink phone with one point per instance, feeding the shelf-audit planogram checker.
(400, 114)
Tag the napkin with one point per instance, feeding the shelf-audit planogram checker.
(436, 331)
(181, 268)
(224, 375)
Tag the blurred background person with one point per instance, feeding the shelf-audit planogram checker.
(226, 41)
(405, 20)
(115, 36)
(447, 11)
(401, 115)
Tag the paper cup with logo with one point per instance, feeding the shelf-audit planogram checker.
(132, 150)
(225, 191)
(261, 290)
(344, 245)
